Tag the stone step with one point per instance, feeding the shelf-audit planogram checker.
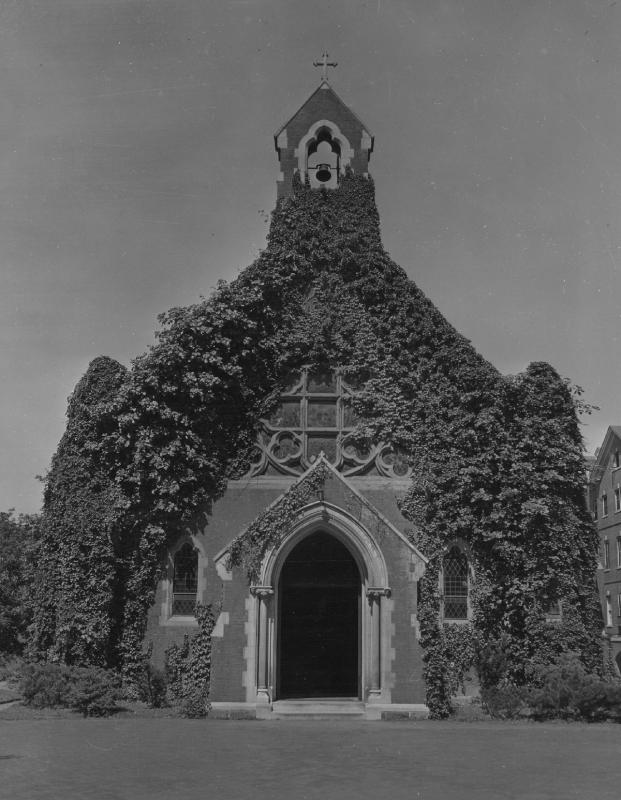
(318, 708)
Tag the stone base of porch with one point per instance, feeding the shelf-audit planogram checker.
(319, 709)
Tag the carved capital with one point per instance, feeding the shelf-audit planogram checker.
(261, 591)
(375, 592)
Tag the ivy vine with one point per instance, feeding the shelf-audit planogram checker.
(188, 667)
(270, 527)
(498, 462)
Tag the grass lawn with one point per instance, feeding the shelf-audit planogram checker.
(177, 759)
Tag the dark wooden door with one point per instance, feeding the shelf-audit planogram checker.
(319, 620)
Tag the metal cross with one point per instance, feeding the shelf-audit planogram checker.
(324, 64)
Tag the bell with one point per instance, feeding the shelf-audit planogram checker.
(323, 173)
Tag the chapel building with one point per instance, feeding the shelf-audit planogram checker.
(332, 618)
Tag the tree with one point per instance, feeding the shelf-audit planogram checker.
(18, 544)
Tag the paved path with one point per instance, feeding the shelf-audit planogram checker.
(176, 759)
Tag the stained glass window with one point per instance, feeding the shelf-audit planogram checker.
(315, 413)
(310, 415)
(316, 444)
(321, 414)
(287, 415)
(322, 382)
(185, 581)
(455, 580)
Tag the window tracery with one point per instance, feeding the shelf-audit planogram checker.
(455, 585)
(315, 414)
(185, 581)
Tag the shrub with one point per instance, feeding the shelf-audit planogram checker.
(491, 661)
(599, 700)
(11, 668)
(194, 705)
(45, 685)
(505, 701)
(151, 686)
(565, 690)
(93, 691)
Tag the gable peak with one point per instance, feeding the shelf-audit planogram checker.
(321, 141)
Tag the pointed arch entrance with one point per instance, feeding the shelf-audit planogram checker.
(287, 611)
(319, 620)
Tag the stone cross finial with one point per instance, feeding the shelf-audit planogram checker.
(324, 64)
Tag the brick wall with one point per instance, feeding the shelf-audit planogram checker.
(323, 104)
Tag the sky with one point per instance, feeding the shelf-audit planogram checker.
(137, 169)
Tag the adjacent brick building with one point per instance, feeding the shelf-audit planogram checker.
(605, 504)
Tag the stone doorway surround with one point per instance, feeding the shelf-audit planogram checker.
(375, 606)
(260, 677)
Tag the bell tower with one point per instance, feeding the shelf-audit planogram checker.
(321, 140)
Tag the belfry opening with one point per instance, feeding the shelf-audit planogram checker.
(324, 158)
(319, 621)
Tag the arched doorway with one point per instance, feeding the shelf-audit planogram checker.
(319, 620)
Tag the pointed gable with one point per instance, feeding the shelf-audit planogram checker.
(603, 456)
(325, 115)
(336, 493)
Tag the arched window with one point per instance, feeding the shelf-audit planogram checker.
(185, 581)
(455, 584)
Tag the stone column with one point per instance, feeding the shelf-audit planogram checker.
(263, 595)
(374, 596)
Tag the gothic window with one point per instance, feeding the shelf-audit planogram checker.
(315, 414)
(606, 554)
(455, 581)
(604, 505)
(185, 581)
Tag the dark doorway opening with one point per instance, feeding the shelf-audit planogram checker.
(319, 620)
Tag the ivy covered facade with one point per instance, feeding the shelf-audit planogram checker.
(363, 503)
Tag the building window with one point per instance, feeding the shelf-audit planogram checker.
(606, 554)
(604, 505)
(618, 551)
(608, 611)
(185, 581)
(618, 499)
(315, 414)
(455, 584)
(554, 611)
(619, 606)
(616, 460)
